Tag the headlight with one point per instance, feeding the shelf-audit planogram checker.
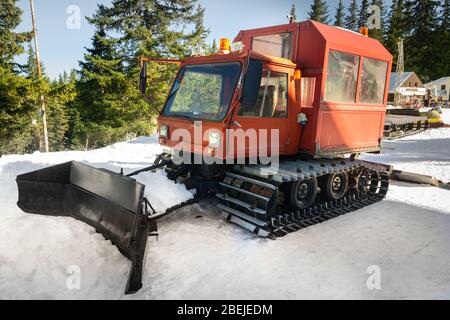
(214, 139)
(164, 131)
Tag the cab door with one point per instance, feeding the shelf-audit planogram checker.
(269, 116)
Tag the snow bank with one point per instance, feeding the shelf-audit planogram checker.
(426, 153)
(446, 116)
(128, 155)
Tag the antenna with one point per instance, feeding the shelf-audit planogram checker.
(399, 72)
(39, 73)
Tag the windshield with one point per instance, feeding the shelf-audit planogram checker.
(203, 91)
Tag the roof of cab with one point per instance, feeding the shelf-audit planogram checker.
(351, 41)
(238, 56)
(314, 38)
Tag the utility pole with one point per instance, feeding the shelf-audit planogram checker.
(39, 74)
(400, 70)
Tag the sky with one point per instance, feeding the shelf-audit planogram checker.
(61, 47)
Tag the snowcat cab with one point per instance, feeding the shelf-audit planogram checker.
(266, 126)
(214, 95)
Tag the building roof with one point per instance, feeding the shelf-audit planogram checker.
(429, 84)
(393, 82)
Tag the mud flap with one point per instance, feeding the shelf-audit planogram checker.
(111, 203)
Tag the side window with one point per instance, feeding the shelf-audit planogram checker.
(373, 81)
(272, 98)
(277, 45)
(308, 88)
(342, 76)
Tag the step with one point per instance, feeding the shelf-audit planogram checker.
(242, 215)
(260, 183)
(244, 191)
(240, 203)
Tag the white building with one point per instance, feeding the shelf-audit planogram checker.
(439, 89)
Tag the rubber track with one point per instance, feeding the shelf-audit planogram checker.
(287, 222)
(293, 221)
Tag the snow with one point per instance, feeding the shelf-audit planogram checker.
(199, 256)
(446, 116)
(426, 153)
(162, 192)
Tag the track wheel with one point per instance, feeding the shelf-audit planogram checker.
(334, 186)
(362, 180)
(302, 194)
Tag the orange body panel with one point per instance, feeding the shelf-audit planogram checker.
(354, 129)
(332, 128)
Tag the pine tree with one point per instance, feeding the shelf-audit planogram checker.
(339, 18)
(75, 125)
(63, 77)
(319, 11)
(445, 15)
(11, 41)
(293, 13)
(102, 90)
(145, 26)
(30, 69)
(36, 89)
(420, 45)
(395, 28)
(351, 21)
(57, 96)
(16, 113)
(443, 42)
(62, 93)
(214, 47)
(363, 14)
(16, 108)
(108, 101)
(58, 115)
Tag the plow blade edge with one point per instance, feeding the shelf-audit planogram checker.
(110, 202)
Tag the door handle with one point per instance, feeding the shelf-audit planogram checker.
(237, 124)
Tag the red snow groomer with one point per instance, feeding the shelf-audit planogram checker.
(271, 126)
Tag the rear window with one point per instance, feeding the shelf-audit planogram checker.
(276, 45)
(342, 76)
(373, 81)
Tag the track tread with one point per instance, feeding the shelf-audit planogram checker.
(284, 223)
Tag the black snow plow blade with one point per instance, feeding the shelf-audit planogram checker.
(111, 203)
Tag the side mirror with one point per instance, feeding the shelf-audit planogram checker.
(252, 82)
(143, 78)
